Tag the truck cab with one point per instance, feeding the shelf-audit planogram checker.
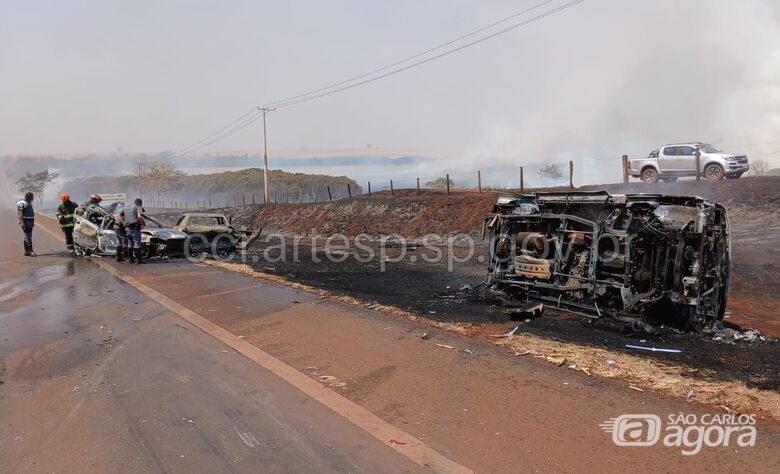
(669, 162)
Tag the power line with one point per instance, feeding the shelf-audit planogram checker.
(238, 127)
(250, 117)
(193, 145)
(432, 58)
(423, 53)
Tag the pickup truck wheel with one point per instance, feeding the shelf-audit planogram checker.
(713, 172)
(649, 175)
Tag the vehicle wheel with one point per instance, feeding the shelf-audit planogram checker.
(713, 173)
(146, 252)
(226, 252)
(669, 180)
(649, 175)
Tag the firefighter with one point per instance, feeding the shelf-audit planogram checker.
(94, 199)
(120, 227)
(65, 217)
(26, 215)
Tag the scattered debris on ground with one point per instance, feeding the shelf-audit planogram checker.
(732, 336)
(669, 378)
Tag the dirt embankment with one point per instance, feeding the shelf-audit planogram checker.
(381, 214)
(750, 201)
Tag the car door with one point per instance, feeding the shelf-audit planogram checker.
(686, 161)
(85, 232)
(667, 158)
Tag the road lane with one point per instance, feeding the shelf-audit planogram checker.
(97, 377)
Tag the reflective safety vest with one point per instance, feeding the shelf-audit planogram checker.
(65, 214)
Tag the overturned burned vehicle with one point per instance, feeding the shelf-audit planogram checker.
(630, 257)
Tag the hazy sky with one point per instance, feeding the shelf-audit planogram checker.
(602, 77)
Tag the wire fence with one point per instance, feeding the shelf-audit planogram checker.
(519, 178)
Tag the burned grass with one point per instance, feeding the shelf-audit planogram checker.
(705, 372)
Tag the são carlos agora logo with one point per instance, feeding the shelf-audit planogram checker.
(689, 432)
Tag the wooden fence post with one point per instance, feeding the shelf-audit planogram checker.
(447, 180)
(349, 190)
(210, 203)
(243, 198)
(330, 196)
(479, 180)
(418, 186)
(300, 195)
(625, 169)
(571, 174)
(521, 180)
(392, 191)
(253, 198)
(369, 189)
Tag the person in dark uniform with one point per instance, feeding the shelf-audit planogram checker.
(134, 222)
(65, 217)
(26, 215)
(121, 232)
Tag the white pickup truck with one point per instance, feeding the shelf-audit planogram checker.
(670, 162)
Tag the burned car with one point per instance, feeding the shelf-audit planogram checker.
(93, 230)
(214, 233)
(160, 241)
(631, 257)
(93, 234)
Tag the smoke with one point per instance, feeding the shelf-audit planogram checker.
(637, 75)
(601, 79)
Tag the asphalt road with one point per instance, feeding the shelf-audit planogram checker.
(96, 377)
(209, 370)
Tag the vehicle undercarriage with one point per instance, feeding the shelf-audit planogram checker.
(630, 257)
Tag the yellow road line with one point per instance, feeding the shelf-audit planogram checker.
(395, 438)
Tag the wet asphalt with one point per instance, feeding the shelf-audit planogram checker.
(96, 377)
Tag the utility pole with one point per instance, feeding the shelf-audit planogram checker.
(265, 154)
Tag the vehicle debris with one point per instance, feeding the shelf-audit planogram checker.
(654, 349)
(445, 346)
(214, 233)
(525, 312)
(628, 257)
(732, 336)
(94, 234)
